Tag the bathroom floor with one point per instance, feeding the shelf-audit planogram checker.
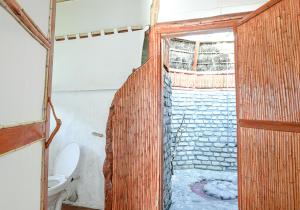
(194, 189)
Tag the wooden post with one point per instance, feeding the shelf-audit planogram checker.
(196, 55)
(154, 12)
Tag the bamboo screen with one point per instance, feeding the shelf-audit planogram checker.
(268, 96)
(133, 150)
(271, 176)
(269, 64)
(197, 80)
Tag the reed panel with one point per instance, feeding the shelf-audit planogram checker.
(196, 80)
(270, 169)
(133, 148)
(268, 64)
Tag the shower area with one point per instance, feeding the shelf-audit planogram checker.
(200, 149)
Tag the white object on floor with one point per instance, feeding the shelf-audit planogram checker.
(65, 166)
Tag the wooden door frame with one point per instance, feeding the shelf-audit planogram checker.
(10, 138)
(177, 28)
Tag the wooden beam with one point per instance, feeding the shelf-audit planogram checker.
(260, 10)
(270, 125)
(19, 136)
(154, 12)
(48, 95)
(177, 28)
(21, 16)
(196, 55)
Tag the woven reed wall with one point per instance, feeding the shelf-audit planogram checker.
(268, 95)
(201, 81)
(272, 179)
(270, 69)
(133, 143)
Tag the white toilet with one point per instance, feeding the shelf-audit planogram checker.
(64, 170)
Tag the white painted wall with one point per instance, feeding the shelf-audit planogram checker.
(97, 62)
(84, 112)
(39, 11)
(22, 75)
(90, 15)
(87, 73)
(171, 10)
(20, 178)
(22, 85)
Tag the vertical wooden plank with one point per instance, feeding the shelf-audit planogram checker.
(133, 143)
(267, 81)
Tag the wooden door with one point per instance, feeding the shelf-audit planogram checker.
(133, 155)
(268, 101)
(26, 37)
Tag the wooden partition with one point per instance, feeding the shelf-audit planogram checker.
(202, 80)
(26, 51)
(134, 134)
(268, 101)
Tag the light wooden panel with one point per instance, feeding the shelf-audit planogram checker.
(272, 180)
(269, 64)
(190, 79)
(134, 138)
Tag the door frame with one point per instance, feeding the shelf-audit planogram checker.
(187, 27)
(10, 138)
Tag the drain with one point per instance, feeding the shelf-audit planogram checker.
(216, 189)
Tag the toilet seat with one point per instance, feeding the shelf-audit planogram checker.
(56, 184)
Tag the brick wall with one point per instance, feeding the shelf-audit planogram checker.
(207, 137)
(167, 142)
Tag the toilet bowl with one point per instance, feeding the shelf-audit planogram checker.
(65, 166)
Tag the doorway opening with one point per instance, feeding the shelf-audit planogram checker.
(200, 149)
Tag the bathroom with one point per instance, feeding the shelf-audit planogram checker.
(85, 79)
(85, 123)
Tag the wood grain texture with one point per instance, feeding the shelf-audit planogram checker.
(198, 80)
(270, 170)
(268, 109)
(132, 181)
(48, 93)
(270, 125)
(19, 136)
(269, 64)
(176, 28)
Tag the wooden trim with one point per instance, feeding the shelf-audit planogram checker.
(13, 138)
(270, 125)
(182, 71)
(161, 30)
(260, 10)
(177, 28)
(22, 17)
(154, 12)
(196, 55)
(237, 115)
(56, 129)
(47, 106)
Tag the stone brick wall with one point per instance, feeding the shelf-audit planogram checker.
(207, 137)
(167, 142)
